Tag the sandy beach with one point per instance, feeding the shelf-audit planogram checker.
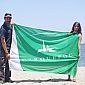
(36, 78)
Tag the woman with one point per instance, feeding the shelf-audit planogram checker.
(76, 29)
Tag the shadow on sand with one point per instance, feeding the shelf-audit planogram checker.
(40, 81)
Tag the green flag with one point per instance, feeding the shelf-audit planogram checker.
(43, 50)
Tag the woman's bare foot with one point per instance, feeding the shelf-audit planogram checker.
(74, 79)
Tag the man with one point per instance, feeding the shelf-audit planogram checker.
(6, 38)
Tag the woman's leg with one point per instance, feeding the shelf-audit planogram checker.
(74, 79)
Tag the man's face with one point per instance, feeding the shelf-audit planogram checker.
(7, 20)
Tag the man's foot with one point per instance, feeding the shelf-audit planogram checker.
(1, 81)
(10, 81)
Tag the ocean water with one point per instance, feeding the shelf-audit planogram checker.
(81, 62)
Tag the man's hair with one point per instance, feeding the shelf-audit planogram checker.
(8, 15)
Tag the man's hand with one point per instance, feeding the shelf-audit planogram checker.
(7, 55)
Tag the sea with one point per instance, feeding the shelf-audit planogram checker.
(81, 62)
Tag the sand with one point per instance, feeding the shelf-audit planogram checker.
(36, 78)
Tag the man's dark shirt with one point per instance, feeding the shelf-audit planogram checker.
(6, 32)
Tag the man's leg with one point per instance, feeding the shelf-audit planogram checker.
(7, 71)
(1, 70)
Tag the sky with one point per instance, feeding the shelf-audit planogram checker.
(57, 15)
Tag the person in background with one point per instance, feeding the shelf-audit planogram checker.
(6, 39)
(76, 28)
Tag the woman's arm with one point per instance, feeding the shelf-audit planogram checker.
(79, 44)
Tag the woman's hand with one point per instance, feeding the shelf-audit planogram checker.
(78, 56)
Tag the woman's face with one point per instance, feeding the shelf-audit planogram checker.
(76, 27)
